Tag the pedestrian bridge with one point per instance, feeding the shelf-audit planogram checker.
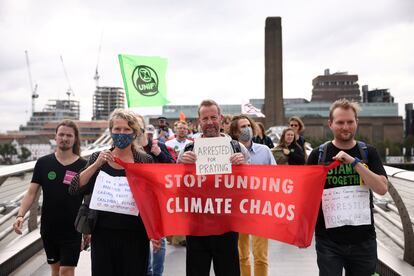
(394, 214)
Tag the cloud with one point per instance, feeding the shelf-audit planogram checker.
(215, 48)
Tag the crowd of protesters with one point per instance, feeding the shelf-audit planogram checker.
(119, 241)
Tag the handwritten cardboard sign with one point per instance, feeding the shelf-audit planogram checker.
(112, 194)
(213, 155)
(347, 205)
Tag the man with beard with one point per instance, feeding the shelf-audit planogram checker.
(53, 173)
(221, 249)
(180, 140)
(242, 128)
(345, 234)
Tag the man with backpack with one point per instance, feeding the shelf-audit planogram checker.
(345, 233)
(221, 249)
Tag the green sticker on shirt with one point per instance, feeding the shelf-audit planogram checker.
(51, 175)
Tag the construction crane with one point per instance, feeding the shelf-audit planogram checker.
(69, 91)
(96, 76)
(33, 89)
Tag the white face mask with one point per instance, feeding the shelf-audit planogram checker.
(246, 134)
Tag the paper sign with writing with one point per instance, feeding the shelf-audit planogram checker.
(112, 194)
(213, 155)
(346, 206)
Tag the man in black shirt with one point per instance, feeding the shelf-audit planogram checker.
(345, 234)
(54, 173)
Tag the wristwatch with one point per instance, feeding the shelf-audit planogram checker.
(356, 161)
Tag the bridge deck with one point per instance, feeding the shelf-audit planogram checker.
(283, 260)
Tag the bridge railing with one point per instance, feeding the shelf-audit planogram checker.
(405, 224)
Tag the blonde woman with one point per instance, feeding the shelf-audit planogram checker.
(120, 244)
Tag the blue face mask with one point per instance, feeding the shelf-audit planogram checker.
(122, 140)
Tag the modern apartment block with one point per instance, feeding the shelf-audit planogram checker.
(105, 100)
(331, 87)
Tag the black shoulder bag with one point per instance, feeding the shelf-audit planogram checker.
(86, 219)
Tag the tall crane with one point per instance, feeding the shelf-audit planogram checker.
(69, 91)
(96, 76)
(33, 89)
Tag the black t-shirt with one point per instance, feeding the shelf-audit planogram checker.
(345, 175)
(296, 156)
(59, 209)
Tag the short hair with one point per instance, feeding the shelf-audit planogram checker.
(234, 126)
(71, 124)
(176, 123)
(131, 119)
(208, 103)
(300, 122)
(344, 104)
(282, 140)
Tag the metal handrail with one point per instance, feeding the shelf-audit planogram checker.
(408, 243)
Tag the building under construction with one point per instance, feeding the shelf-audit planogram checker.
(105, 100)
(55, 110)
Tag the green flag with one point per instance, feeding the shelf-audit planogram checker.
(144, 80)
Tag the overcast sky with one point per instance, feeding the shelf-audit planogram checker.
(215, 49)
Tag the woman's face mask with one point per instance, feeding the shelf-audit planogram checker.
(246, 134)
(122, 140)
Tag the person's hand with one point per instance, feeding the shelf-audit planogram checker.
(18, 224)
(286, 151)
(155, 149)
(104, 156)
(162, 134)
(188, 157)
(156, 245)
(344, 157)
(237, 158)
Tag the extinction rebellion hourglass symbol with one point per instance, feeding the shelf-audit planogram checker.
(145, 80)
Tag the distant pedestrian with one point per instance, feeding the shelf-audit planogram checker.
(180, 140)
(225, 125)
(346, 239)
(53, 173)
(287, 151)
(261, 137)
(162, 131)
(298, 126)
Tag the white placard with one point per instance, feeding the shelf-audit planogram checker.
(213, 155)
(346, 206)
(112, 194)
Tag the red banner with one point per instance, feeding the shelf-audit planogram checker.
(277, 202)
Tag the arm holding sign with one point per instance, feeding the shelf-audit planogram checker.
(377, 183)
(242, 157)
(95, 162)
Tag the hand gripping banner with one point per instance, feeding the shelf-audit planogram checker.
(277, 202)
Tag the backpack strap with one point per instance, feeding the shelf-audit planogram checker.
(322, 152)
(363, 149)
(189, 147)
(235, 145)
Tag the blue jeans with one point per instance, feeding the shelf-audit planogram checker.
(357, 259)
(156, 260)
